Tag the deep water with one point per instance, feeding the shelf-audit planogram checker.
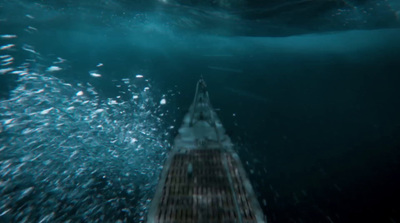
(313, 112)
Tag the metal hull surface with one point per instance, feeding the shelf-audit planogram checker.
(203, 179)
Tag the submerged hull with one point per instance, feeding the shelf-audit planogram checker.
(203, 179)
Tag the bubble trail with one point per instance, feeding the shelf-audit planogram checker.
(76, 157)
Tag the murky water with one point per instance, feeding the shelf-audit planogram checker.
(86, 105)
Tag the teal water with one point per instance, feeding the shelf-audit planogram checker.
(307, 91)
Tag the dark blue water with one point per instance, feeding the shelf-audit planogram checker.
(307, 90)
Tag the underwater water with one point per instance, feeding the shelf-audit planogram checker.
(92, 94)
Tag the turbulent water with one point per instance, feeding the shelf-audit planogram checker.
(90, 92)
(66, 154)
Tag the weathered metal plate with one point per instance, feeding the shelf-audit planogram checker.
(203, 186)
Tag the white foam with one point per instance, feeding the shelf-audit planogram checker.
(100, 110)
(8, 59)
(5, 70)
(32, 28)
(39, 91)
(53, 69)
(59, 60)
(18, 72)
(112, 102)
(29, 48)
(6, 63)
(46, 111)
(8, 46)
(94, 74)
(8, 36)
(8, 121)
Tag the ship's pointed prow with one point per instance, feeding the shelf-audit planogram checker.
(203, 179)
(201, 125)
